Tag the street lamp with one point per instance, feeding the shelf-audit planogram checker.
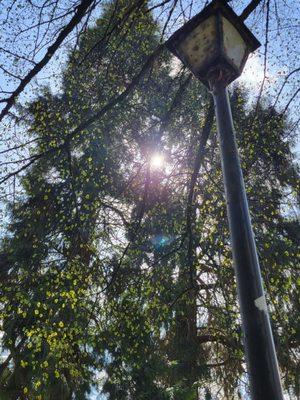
(214, 41)
(215, 45)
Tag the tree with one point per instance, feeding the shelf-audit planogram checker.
(112, 265)
(35, 38)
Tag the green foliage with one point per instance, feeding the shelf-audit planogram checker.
(102, 287)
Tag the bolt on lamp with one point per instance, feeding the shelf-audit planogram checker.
(215, 45)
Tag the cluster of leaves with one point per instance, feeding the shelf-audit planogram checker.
(112, 274)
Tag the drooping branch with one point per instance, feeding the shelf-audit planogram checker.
(199, 159)
(176, 102)
(25, 166)
(197, 165)
(289, 102)
(283, 85)
(142, 206)
(266, 46)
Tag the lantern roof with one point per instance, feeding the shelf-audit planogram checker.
(216, 6)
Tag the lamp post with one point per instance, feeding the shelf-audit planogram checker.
(215, 45)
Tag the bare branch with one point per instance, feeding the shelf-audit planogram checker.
(250, 8)
(283, 85)
(289, 102)
(80, 13)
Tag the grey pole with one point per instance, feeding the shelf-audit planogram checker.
(260, 352)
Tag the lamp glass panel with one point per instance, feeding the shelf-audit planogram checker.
(234, 45)
(200, 44)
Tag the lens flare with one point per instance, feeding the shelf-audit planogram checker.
(157, 161)
(161, 241)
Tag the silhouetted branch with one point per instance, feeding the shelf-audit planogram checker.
(250, 8)
(80, 13)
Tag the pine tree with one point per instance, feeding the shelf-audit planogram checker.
(112, 265)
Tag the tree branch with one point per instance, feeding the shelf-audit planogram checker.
(85, 124)
(80, 13)
(197, 165)
(249, 9)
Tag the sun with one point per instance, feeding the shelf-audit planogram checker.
(156, 161)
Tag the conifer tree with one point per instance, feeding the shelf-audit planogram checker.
(114, 270)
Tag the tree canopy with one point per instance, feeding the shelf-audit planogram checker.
(116, 271)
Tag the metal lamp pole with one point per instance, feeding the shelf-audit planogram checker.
(258, 340)
(215, 45)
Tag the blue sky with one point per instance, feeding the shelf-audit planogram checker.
(282, 57)
(282, 49)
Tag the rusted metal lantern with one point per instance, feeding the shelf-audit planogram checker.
(215, 39)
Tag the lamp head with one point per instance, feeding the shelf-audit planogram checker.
(215, 41)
